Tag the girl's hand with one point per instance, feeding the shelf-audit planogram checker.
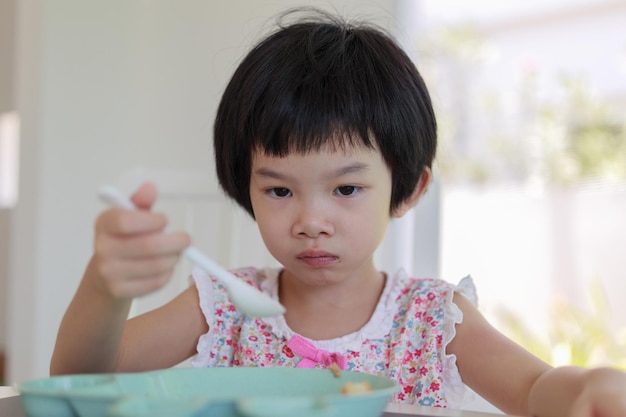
(603, 395)
(133, 256)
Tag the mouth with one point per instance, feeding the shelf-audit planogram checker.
(317, 259)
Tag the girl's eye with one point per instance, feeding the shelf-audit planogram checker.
(347, 190)
(279, 192)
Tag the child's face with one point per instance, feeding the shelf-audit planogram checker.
(322, 214)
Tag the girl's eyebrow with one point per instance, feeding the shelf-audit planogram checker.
(351, 168)
(339, 172)
(269, 173)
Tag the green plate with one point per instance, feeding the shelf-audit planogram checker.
(198, 392)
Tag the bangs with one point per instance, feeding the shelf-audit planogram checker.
(320, 93)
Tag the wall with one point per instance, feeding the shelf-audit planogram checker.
(105, 88)
(7, 43)
(7, 103)
(4, 261)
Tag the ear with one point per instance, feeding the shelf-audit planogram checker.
(420, 188)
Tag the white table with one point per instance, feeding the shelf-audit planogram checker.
(435, 411)
(7, 392)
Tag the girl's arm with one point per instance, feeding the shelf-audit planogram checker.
(133, 256)
(588, 392)
(518, 383)
(95, 335)
(89, 336)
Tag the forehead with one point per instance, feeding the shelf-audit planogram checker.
(321, 165)
(330, 151)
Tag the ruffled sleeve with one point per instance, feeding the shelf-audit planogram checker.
(454, 315)
(223, 319)
(206, 293)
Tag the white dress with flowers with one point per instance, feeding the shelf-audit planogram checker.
(405, 339)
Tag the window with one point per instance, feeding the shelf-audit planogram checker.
(532, 168)
(9, 148)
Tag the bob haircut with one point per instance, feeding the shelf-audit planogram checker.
(322, 81)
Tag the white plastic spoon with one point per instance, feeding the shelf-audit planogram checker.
(245, 297)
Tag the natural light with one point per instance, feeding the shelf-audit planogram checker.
(533, 144)
(9, 148)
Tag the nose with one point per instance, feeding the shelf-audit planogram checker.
(312, 221)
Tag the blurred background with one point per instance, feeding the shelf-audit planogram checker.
(530, 189)
(531, 101)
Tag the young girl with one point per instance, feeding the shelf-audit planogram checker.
(324, 134)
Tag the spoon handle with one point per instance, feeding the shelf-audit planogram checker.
(114, 197)
(194, 255)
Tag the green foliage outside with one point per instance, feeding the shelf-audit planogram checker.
(570, 137)
(585, 137)
(575, 336)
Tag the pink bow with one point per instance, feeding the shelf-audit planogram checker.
(312, 356)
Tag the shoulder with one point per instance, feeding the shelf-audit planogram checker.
(429, 292)
(428, 304)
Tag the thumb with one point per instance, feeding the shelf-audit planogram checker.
(145, 196)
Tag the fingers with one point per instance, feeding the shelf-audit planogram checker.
(133, 265)
(580, 408)
(124, 278)
(141, 245)
(145, 196)
(609, 404)
(123, 222)
(603, 395)
(133, 255)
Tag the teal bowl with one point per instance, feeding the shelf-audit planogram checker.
(198, 392)
(50, 396)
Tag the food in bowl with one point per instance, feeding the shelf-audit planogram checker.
(350, 388)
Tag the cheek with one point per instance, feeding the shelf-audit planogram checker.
(380, 218)
(379, 226)
(272, 230)
(369, 224)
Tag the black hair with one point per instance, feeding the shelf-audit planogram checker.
(324, 81)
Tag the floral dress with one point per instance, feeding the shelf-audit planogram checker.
(405, 339)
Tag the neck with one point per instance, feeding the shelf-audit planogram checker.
(329, 310)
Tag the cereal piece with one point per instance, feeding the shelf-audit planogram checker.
(356, 387)
(334, 368)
